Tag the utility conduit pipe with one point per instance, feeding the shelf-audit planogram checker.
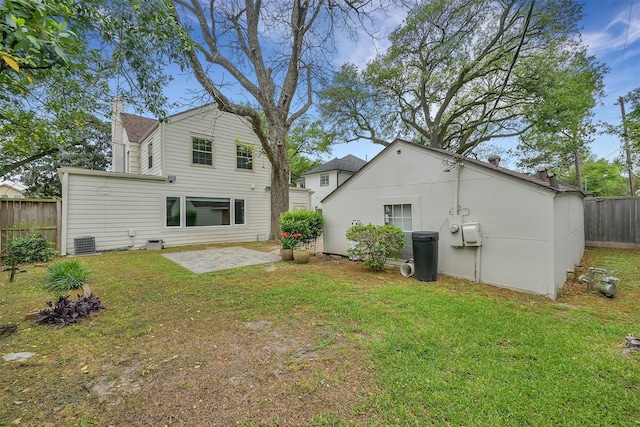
(407, 269)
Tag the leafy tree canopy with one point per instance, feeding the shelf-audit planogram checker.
(600, 177)
(57, 60)
(90, 149)
(34, 35)
(561, 123)
(459, 73)
(306, 142)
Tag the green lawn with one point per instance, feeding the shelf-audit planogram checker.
(389, 350)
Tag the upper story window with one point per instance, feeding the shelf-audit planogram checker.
(399, 215)
(324, 180)
(202, 151)
(244, 156)
(150, 156)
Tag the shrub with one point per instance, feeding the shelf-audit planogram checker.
(65, 276)
(192, 217)
(26, 250)
(375, 243)
(67, 311)
(308, 224)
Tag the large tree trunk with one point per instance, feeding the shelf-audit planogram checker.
(578, 165)
(279, 185)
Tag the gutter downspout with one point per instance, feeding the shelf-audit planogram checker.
(162, 148)
(477, 270)
(456, 199)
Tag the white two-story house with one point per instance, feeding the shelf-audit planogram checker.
(329, 176)
(194, 177)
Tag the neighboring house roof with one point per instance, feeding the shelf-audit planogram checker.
(136, 126)
(348, 163)
(14, 186)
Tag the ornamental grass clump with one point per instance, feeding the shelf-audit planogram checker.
(373, 244)
(65, 276)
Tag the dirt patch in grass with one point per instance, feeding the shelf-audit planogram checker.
(256, 372)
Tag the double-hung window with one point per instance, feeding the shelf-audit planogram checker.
(202, 151)
(324, 180)
(244, 157)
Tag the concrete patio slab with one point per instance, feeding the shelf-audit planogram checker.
(215, 259)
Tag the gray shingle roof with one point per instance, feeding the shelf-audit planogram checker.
(348, 163)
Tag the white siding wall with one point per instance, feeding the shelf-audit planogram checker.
(10, 192)
(299, 198)
(569, 241)
(133, 157)
(516, 218)
(108, 206)
(342, 176)
(154, 140)
(312, 182)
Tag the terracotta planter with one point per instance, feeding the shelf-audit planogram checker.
(286, 254)
(301, 256)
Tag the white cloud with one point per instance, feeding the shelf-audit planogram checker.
(366, 47)
(621, 30)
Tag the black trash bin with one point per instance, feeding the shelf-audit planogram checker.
(425, 255)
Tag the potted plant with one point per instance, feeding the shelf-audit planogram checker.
(306, 225)
(288, 242)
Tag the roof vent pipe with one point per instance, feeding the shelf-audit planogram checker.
(553, 181)
(542, 173)
(495, 160)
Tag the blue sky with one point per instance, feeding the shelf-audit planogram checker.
(611, 29)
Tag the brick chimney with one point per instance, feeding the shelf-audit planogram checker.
(117, 136)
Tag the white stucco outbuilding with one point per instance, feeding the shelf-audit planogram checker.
(494, 225)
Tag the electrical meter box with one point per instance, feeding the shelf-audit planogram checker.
(455, 228)
(471, 234)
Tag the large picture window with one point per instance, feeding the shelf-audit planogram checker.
(244, 157)
(202, 151)
(204, 211)
(399, 215)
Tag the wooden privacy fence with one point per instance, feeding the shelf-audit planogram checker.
(20, 217)
(612, 222)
